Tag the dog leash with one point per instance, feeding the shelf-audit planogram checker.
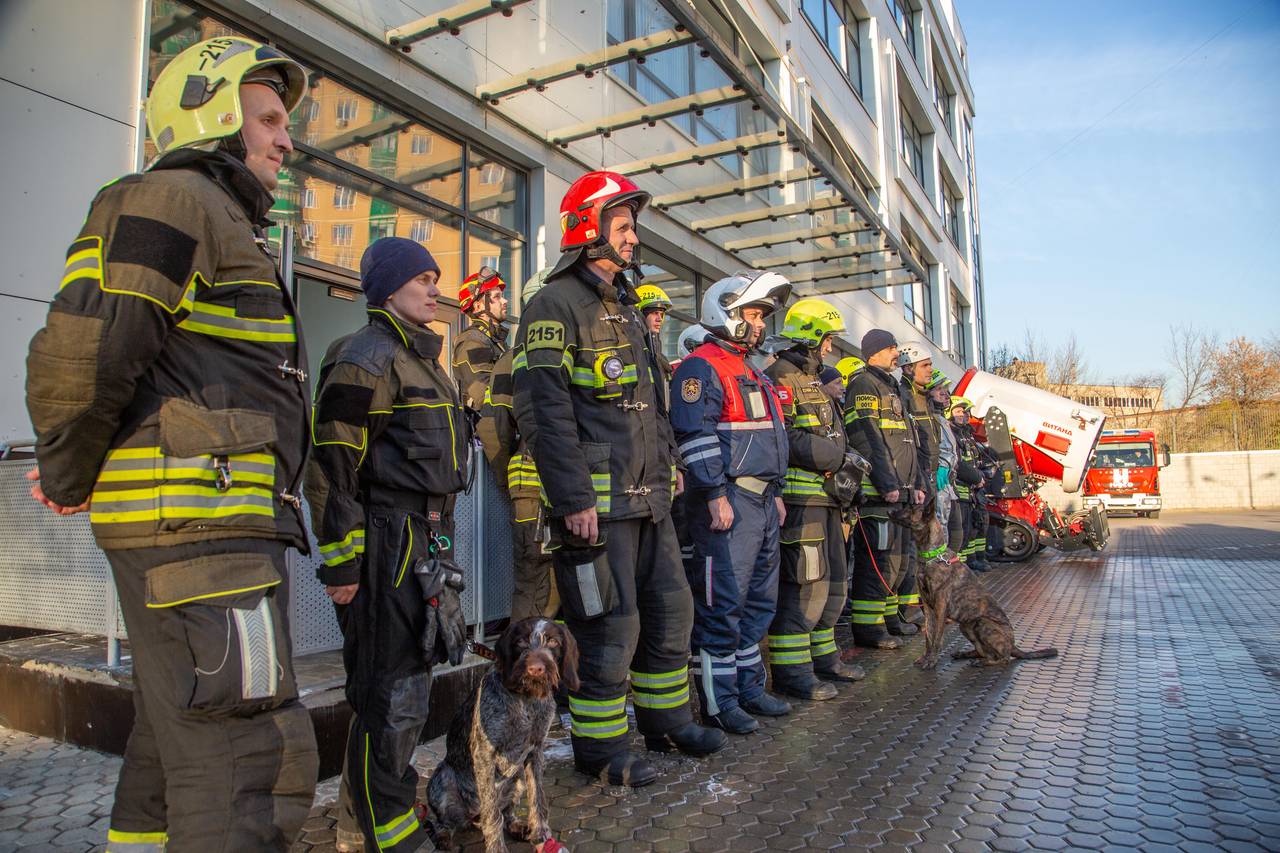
(872, 555)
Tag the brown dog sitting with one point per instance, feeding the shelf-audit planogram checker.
(949, 592)
(495, 741)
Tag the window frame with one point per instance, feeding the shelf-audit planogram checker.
(909, 132)
(849, 63)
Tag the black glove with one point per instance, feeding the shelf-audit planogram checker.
(843, 485)
(444, 637)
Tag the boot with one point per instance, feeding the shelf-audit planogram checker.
(804, 688)
(840, 671)
(690, 738)
(735, 721)
(901, 629)
(622, 768)
(913, 614)
(766, 705)
(876, 640)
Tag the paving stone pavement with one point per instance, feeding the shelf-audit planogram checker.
(1158, 728)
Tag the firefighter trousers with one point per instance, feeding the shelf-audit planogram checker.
(879, 559)
(975, 546)
(388, 677)
(627, 604)
(958, 525)
(535, 586)
(812, 588)
(734, 578)
(222, 756)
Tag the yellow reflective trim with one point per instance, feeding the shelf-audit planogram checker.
(408, 551)
(396, 324)
(213, 595)
(137, 837)
(238, 334)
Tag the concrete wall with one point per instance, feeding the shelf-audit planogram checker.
(1247, 479)
(70, 95)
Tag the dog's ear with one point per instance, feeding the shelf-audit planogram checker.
(506, 650)
(568, 659)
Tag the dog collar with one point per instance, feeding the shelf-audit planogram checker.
(934, 554)
(481, 650)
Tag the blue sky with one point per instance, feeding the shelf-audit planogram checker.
(1168, 211)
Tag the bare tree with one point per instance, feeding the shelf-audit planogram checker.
(1191, 357)
(1066, 367)
(1244, 373)
(1001, 357)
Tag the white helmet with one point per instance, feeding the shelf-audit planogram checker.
(690, 339)
(911, 352)
(723, 302)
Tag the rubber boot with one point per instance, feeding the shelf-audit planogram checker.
(735, 721)
(690, 738)
(840, 671)
(811, 689)
(766, 705)
(622, 768)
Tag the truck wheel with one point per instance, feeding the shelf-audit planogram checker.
(1155, 513)
(1020, 542)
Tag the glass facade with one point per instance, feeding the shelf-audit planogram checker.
(362, 170)
(912, 144)
(838, 28)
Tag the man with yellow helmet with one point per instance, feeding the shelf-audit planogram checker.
(813, 584)
(653, 306)
(169, 398)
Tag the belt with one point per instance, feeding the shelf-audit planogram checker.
(419, 502)
(752, 484)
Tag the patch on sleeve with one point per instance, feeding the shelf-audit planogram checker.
(545, 334)
(785, 397)
(348, 404)
(691, 390)
(867, 401)
(153, 244)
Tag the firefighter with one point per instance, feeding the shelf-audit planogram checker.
(831, 381)
(814, 581)
(534, 592)
(968, 482)
(848, 367)
(878, 424)
(653, 306)
(169, 400)
(390, 454)
(917, 371)
(482, 297)
(597, 429)
(949, 515)
(728, 423)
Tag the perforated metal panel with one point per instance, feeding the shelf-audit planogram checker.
(52, 574)
(311, 617)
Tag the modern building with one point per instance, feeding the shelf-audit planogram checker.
(1114, 399)
(829, 140)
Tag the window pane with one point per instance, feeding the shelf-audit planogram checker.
(853, 55)
(833, 34)
(341, 234)
(497, 192)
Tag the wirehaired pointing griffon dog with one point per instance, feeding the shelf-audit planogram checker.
(495, 741)
(949, 592)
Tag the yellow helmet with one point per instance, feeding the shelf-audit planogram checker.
(652, 298)
(959, 402)
(196, 99)
(810, 320)
(849, 365)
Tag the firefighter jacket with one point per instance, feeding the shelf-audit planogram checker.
(586, 401)
(815, 434)
(927, 429)
(474, 353)
(728, 422)
(500, 434)
(878, 423)
(166, 385)
(967, 476)
(388, 429)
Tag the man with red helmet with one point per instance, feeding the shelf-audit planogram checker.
(478, 348)
(597, 429)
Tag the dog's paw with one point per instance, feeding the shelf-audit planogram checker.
(924, 662)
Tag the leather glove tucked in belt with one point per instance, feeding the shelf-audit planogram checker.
(444, 636)
(843, 485)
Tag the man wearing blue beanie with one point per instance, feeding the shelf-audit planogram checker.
(389, 457)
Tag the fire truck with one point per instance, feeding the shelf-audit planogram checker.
(1124, 475)
(1035, 436)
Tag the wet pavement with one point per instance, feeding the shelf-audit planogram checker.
(1157, 728)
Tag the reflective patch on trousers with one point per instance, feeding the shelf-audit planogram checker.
(811, 563)
(589, 589)
(259, 660)
(881, 534)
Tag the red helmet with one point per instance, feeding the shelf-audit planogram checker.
(476, 285)
(582, 209)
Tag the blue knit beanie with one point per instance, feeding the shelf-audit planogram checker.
(876, 340)
(828, 374)
(389, 263)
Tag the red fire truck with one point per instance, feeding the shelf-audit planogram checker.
(1124, 474)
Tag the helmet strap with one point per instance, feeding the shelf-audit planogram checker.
(233, 145)
(604, 251)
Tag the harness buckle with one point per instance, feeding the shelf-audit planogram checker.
(293, 500)
(637, 406)
(296, 372)
(222, 467)
(638, 491)
(613, 318)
